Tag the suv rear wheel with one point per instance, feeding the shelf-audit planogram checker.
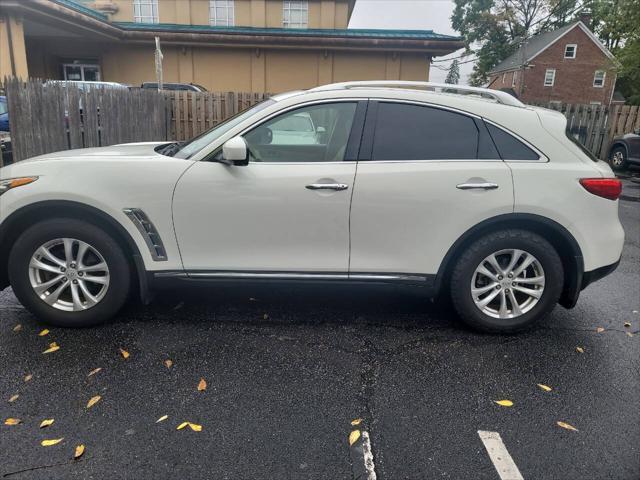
(69, 273)
(506, 281)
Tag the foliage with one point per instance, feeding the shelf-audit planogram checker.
(454, 73)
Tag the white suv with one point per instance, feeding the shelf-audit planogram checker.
(445, 187)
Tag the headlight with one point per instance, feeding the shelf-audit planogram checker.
(9, 183)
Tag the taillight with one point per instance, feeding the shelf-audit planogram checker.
(610, 188)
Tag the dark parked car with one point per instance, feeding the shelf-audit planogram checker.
(189, 87)
(4, 115)
(625, 150)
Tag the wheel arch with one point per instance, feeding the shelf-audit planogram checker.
(26, 216)
(561, 239)
(618, 143)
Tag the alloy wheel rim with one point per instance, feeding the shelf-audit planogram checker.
(69, 274)
(618, 159)
(507, 284)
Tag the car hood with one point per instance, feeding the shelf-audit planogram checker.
(125, 150)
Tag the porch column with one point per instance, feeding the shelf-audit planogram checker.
(13, 54)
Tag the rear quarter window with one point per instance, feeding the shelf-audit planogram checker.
(509, 147)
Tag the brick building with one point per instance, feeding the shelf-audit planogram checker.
(568, 65)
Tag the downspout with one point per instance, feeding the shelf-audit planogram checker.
(10, 41)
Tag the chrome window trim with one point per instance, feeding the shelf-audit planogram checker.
(249, 275)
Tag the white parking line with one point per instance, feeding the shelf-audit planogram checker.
(369, 466)
(506, 467)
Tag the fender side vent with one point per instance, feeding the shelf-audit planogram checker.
(148, 232)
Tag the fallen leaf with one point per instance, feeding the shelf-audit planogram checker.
(627, 324)
(93, 401)
(195, 427)
(544, 387)
(28, 377)
(202, 385)
(17, 328)
(79, 451)
(179, 306)
(353, 437)
(251, 299)
(124, 353)
(635, 311)
(94, 371)
(357, 421)
(48, 443)
(12, 421)
(43, 333)
(14, 398)
(629, 334)
(162, 418)
(52, 348)
(579, 349)
(599, 329)
(47, 422)
(168, 363)
(567, 426)
(265, 316)
(182, 425)
(504, 403)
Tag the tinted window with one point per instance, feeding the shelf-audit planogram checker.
(317, 133)
(3, 106)
(510, 148)
(413, 132)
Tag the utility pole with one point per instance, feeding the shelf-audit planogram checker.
(523, 60)
(159, 58)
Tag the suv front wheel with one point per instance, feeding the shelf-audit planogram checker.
(507, 280)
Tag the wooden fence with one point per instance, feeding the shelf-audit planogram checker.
(48, 117)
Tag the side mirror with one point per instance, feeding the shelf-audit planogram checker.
(320, 130)
(234, 152)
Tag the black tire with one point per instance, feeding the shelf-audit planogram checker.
(45, 231)
(480, 249)
(616, 153)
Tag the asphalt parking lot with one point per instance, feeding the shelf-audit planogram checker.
(288, 369)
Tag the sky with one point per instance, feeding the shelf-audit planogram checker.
(412, 15)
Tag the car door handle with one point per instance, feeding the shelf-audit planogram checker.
(327, 186)
(482, 186)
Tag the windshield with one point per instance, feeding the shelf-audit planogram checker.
(201, 141)
(3, 106)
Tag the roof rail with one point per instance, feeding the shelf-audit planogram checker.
(496, 95)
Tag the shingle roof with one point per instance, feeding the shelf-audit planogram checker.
(531, 48)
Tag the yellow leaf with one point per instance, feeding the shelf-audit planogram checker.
(46, 423)
(599, 329)
(52, 348)
(48, 443)
(504, 403)
(93, 401)
(202, 385)
(627, 324)
(43, 333)
(195, 427)
(579, 349)
(168, 363)
(12, 421)
(182, 425)
(79, 451)
(94, 371)
(544, 387)
(14, 398)
(353, 437)
(17, 328)
(567, 426)
(265, 316)
(162, 418)
(629, 334)
(357, 421)
(28, 378)
(124, 353)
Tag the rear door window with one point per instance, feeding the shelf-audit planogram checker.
(415, 132)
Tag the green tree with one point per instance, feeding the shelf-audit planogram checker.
(453, 76)
(494, 29)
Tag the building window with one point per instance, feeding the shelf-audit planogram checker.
(549, 77)
(504, 75)
(595, 103)
(221, 13)
(295, 14)
(145, 11)
(515, 78)
(81, 72)
(570, 50)
(598, 78)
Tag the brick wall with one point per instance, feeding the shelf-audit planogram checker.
(574, 77)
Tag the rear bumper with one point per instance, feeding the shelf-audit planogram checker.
(594, 275)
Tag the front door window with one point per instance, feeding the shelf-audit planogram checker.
(81, 72)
